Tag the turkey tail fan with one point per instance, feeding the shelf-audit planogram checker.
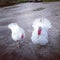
(46, 23)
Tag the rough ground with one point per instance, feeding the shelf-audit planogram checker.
(24, 15)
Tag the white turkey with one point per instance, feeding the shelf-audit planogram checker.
(17, 32)
(40, 32)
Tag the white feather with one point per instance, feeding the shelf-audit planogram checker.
(16, 30)
(45, 25)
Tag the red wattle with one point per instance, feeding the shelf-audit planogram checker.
(22, 36)
(39, 31)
